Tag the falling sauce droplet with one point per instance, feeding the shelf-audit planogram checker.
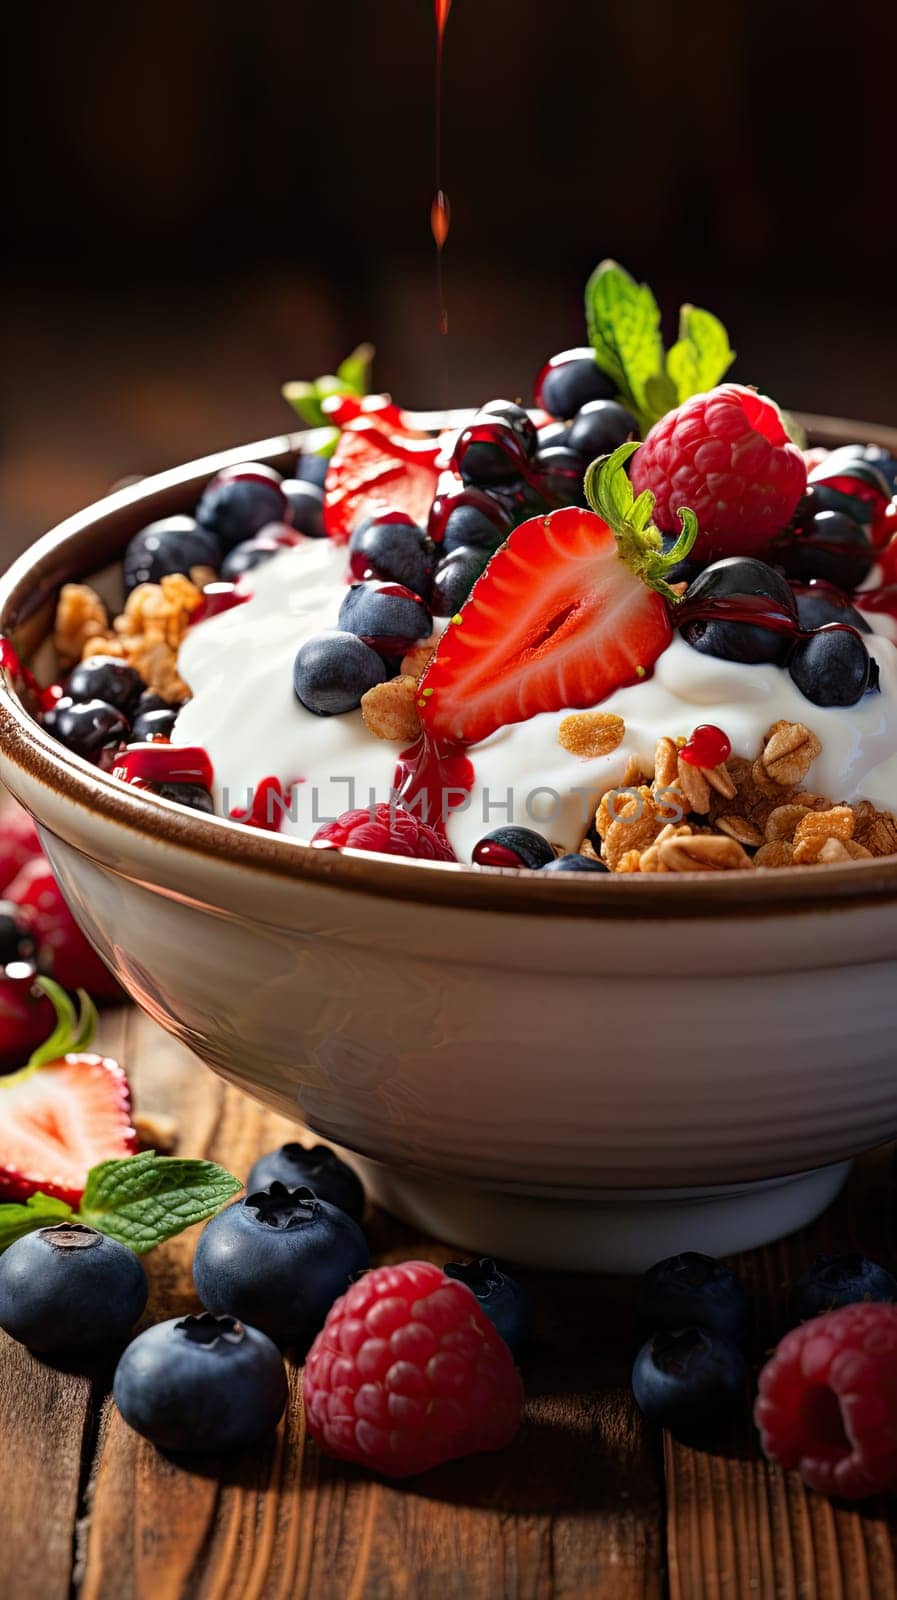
(440, 217)
(440, 210)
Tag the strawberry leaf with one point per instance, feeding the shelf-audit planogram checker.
(609, 492)
(141, 1200)
(353, 377)
(74, 1029)
(17, 1220)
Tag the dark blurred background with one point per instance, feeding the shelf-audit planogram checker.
(206, 198)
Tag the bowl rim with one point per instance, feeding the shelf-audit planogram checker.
(86, 541)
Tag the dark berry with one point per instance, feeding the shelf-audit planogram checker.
(831, 546)
(105, 678)
(513, 847)
(251, 553)
(387, 616)
(504, 1300)
(818, 604)
(93, 729)
(561, 472)
(332, 672)
(17, 943)
(516, 417)
(599, 427)
(319, 1169)
(569, 381)
(310, 468)
(571, 863)
(554, 433)
(156, 724)
(187, 794)
(688, 1379)
(197, 1384)
(693, 1289)
(454, 578)
(175, 544)
(391, 546)
(69, 1288)
(481, 524)
(851, 497)
(832, 667)
(150, 701)
(833, 1281)
(278, 1259)
(240, 502)
(306, 507)
(488, 452)
(730, 579)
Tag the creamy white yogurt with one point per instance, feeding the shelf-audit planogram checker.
(239, 666)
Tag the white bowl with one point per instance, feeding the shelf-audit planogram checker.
(588, 1072)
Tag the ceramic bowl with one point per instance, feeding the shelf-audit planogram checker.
(588, 1072)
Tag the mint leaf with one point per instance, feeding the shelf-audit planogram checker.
(702, 354)
(74, 1029)
(37, 1210)
(141, 1200)
(623, 320)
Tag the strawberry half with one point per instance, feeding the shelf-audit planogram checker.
(67, 1110)
(572, 607)
(374, 469)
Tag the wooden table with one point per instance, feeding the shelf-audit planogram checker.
(590, 1502)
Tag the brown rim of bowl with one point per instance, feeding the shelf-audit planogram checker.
(94, 538)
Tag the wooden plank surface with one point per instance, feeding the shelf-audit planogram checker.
(588, 1504)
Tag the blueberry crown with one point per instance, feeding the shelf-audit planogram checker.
(673, 1350)
(280, 1207)
(482, 1276)
(70, 1236)
(317, 1159)
(207, 1329)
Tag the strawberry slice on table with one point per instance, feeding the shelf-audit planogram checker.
(374, 469)
(64, 1112)
(572, 607)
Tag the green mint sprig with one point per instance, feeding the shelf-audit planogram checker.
(623, 320)
(352, 376)
(611, 495)
(139, 1200)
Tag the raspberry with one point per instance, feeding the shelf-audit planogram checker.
(63, 950)
(827, 1401)
(409, 1372)
(727, 456)
(390, 830)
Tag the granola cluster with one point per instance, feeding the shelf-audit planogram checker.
(740, 814)
(147, 634)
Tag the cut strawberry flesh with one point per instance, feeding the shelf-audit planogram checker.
(373, 470)
(557, 621)
(58, 1122)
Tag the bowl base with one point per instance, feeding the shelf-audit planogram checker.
(606, 1230)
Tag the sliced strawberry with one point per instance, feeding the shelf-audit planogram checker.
(341, 409)
(63, 949)
(373, 470)
(572, 607)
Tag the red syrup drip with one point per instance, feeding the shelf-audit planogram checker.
(708, 747)
(757, 609)
(158, 761)
(12, 662)
(440, 209)
(431, 783)
(216, 599)
(449, 496)
(881, 602)
(269, 805)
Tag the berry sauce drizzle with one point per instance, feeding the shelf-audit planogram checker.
(11, 662)
(157, 761)
(757, 609)
(269, 804)
(449, 496)
(432, 784)
(218, 598)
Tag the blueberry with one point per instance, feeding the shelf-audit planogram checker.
(175, 544)
(157, 724)
(832, 1281)
(831, 497)
(504, 1300)
(480, 524)
(527, 847)
(571, 863)
(319, 1169)
(516, 417)
(454, 578)
(278, 1259)
(105, 678)
(832, 667)
(693, 1289)
(599, 427)
(310, 468)
(240, 502)
(488, 451)
(306, 503)
(554, 433)
(387, 616)
(561, 472)
(391, 546)
(818, 604)
(332, 672)
(93, 729)
(198, 1384)
(251, 553)
(17, 943)
(69, 1288)
(830, 546)
(688, 1378)
(151, 701)
(569, 381)
(730, 579)
(187, 794)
